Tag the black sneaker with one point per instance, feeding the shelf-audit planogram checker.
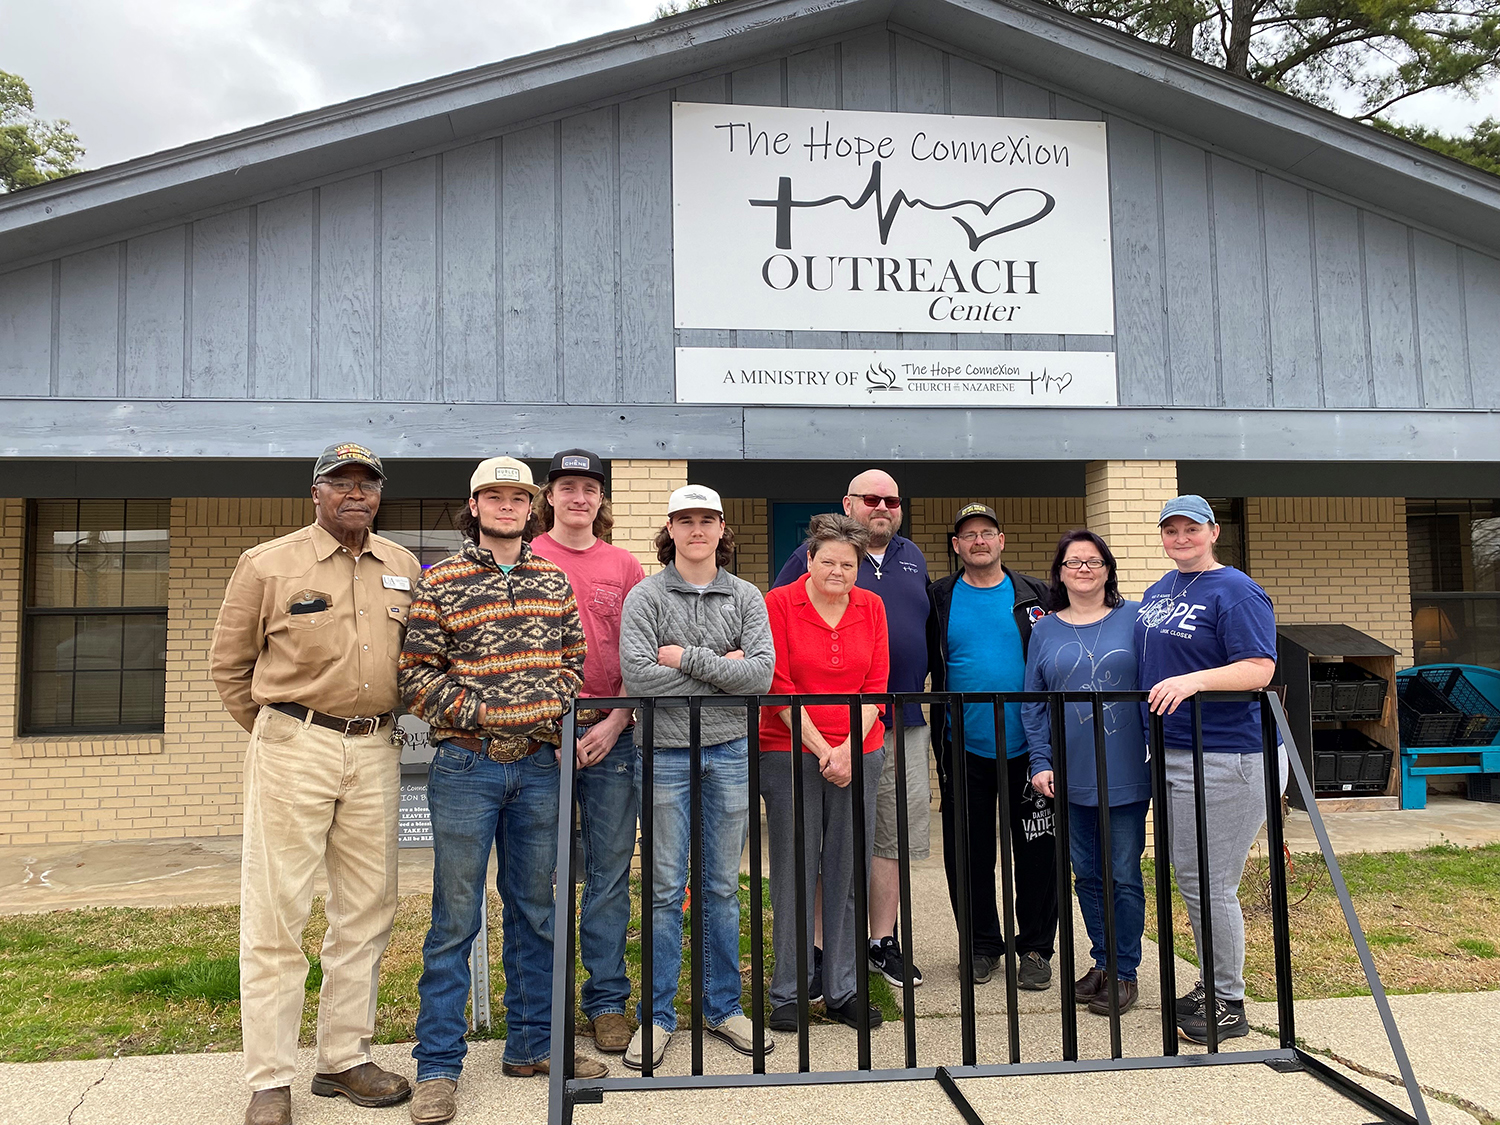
(1187, 1005)
(1231, 1022)
(783, 1017)
(984, 967)
(885, 959)
(815, 989)
(1036, 972)
(848, 1013)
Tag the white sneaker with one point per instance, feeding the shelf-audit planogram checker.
(739, 1033)
(660, 1037)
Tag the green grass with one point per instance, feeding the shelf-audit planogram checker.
(1478, 947)
(215, 980)
(1430, 918)
(80, 984)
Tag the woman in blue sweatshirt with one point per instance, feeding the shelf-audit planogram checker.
(1088, 644)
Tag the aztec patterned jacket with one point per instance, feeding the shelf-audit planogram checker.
(510, 641)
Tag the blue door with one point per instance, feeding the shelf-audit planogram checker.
(789, 529)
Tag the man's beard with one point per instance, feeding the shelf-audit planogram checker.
(880, 539)
(497, 533)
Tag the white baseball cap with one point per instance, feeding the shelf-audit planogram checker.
(691, 496)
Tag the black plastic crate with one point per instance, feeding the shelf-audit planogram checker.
(1484, 787)
(1426, 717)
(1346, 761)
(1343, 692)
(1479, 718)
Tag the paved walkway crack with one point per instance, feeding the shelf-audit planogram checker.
(79, 1103)
(1484, 1116)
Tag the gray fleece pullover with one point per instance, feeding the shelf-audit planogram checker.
(730, 614)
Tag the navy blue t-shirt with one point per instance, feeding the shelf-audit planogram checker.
(1216, 617)
(902, 586)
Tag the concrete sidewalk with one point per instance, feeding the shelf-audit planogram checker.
(1454, 1040)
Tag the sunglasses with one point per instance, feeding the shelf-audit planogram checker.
(891, 502)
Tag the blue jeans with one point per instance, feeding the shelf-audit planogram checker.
(1127, 840)
(726, 824)
(607, 802)
(476, 804)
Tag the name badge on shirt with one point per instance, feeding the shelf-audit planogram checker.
(395, 582)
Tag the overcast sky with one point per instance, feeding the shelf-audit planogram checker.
(136, 77)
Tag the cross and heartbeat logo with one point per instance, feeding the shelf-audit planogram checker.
(887, 210)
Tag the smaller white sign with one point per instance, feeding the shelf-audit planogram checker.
(815, 377)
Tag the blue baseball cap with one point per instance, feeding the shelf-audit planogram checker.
(1193, 507)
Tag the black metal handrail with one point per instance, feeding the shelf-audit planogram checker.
(566, 1091)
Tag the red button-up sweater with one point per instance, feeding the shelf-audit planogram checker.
(815, 658)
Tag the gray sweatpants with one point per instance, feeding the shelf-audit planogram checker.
(1234, 790)
(828, 829)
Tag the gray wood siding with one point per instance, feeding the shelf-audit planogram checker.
(535, 267)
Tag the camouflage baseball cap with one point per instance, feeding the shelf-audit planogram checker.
(343, 453)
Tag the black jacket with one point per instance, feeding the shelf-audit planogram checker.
(1033, 601)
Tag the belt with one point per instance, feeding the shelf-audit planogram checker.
(481, 745)
(358, 726)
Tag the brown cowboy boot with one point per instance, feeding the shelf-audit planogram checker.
(270, 1107)
(366, 1084)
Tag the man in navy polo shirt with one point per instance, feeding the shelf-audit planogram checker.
(896, 569)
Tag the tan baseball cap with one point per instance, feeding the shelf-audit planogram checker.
(502, 472)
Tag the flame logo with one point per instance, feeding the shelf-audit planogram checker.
(881, 378)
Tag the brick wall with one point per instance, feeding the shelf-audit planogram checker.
(184, 782)
(1325, 559)
(752, 540)
(1031, 525)
(639, 491)
(1334, 559)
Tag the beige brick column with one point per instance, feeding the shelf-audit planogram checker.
(1121, 503)
(12, 540)
(638, 493)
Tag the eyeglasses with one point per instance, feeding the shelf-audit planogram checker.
(988, 535)
(1079, 564)
(891, 502)
(343, 486)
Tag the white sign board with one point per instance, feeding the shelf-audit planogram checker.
(834, 220)
(815, 377)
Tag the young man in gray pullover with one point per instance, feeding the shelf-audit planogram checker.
(695, 629)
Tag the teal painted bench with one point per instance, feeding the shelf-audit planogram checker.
(1482, 760)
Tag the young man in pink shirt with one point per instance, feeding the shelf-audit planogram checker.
(574, 512)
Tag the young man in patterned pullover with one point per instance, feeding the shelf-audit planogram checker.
(493, 658)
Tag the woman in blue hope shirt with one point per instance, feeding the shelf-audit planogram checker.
(1088, 644)
(1208, 627)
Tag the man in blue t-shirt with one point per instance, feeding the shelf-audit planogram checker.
(978, 632)
(896, 569)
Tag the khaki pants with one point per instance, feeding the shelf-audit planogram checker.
(313, 796)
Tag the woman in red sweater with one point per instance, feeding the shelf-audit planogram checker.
(830, 637)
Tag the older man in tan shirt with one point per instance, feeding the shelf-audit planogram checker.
(304, 657)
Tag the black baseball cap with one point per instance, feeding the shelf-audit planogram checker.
(576, 463)
(342, 453)
(969, 511)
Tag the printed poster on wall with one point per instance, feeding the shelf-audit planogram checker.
(844, 220)
(818, 377)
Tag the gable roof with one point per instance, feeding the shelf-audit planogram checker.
(1024, 37)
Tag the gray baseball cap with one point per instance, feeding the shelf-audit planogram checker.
(1193, 507)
